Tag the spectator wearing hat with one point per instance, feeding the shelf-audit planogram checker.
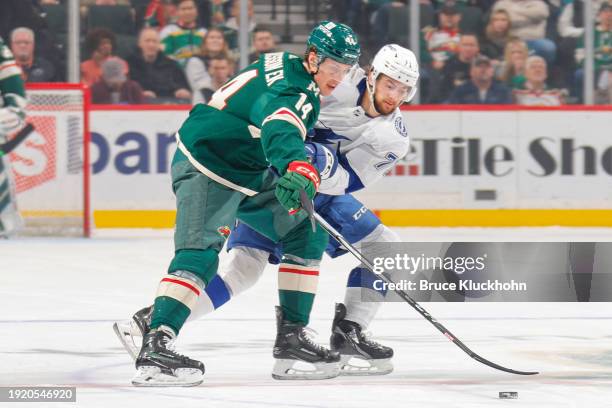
(482, 87)
(100, 42)
(33, 68)
(534, 91)
(528, 20)
(603, 55)
(158, 75)
(441, 43)
(114, 87)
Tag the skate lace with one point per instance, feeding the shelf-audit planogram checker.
(169, 344)
(308, 334)
(366, 337)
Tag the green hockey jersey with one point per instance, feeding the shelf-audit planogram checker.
(257, 119)
(12, 92)
(181, 43)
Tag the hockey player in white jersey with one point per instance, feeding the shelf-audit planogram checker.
(359, 137)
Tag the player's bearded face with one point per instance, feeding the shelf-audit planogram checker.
(389, 94)
(330, 74)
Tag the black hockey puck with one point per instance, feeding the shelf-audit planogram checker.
(508, 395)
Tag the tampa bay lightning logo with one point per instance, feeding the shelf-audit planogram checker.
(400, 126)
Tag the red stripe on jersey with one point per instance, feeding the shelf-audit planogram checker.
(8, 66)
(185, 284)
(285, 111)
(298, 271)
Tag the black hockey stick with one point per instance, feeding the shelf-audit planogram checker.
(308, 206)
(10, 145)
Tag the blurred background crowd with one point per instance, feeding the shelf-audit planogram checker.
(526, 52)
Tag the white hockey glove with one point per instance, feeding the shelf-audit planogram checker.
(10, 121)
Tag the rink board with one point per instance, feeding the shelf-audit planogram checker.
(470, 167)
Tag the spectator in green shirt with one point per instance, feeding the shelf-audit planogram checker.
(182, 40)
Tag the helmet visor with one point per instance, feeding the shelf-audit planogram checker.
(334, 69)
(392, 89)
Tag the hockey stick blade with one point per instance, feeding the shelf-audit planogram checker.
(405, 296)
(9, 146)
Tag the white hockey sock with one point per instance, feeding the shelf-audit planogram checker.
(239, 270)
(361, 301)
(202, 308)
(362, 305)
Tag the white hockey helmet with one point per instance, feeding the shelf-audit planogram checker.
(398, 63)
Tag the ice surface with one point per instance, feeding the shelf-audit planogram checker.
(59, 297)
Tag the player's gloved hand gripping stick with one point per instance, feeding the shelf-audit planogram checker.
(308, 206)
(300, 177)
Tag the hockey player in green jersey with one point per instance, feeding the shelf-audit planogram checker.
(242, 157)
(12, 116)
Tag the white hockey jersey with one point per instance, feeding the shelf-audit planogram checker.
(366, 147)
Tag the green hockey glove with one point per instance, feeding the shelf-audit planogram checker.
(299, 176)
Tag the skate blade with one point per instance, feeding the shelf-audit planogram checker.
(126, 335)
(153, 377)
(285, 369)
(349, 366)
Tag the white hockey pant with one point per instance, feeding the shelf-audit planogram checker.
(363, 304)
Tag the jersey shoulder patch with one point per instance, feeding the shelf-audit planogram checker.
(400, 126)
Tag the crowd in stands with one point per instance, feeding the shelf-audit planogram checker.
(135, 51)
(528, 52)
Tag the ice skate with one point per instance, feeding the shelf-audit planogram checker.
(158, 365)
(298, 357)
(130, 332)
(359, 354)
